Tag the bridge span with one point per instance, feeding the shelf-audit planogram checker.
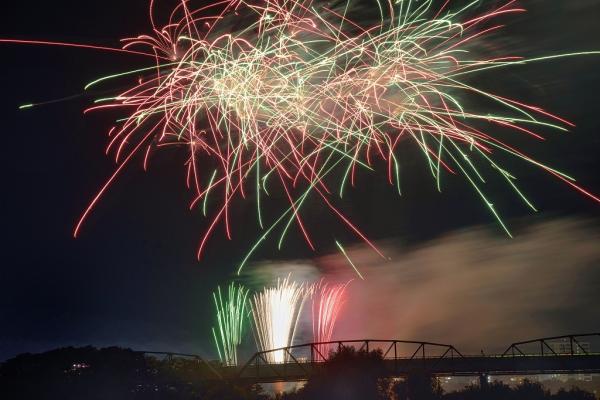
(569, 354)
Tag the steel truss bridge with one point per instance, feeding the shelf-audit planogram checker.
(568, 354)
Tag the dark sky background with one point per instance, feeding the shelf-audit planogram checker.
(132, 279)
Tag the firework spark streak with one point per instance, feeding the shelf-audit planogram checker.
(275, 312)
(327, 301)
(231, 315)
(300, 96)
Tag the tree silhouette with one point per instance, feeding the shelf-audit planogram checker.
(418, 386)
(111, 373)
(492, 391)
(573, 394)
(349, 374)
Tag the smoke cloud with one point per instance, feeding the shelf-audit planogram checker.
(472, 288)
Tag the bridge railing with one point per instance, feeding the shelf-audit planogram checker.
(302, 357)
(578, 344)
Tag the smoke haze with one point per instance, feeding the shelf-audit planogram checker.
(471, 288)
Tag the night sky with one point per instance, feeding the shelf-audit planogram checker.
(132, 278)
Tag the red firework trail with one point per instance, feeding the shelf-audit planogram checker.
(327, 302)
(300, 95)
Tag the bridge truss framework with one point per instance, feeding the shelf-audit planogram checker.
(567, 354)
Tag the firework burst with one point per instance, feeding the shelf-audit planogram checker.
(275, 312)
(327, 301)
(301, 95)
(231, 315)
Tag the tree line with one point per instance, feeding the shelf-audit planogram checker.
(119, 374)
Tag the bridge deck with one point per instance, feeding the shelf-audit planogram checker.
(492, 365)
